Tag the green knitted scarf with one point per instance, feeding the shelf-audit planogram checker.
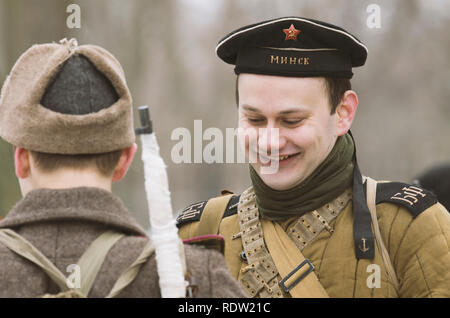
(328, 181)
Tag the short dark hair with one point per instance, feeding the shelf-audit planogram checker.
(104, 162)
(335, 86)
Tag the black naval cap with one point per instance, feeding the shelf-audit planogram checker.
(293, 46)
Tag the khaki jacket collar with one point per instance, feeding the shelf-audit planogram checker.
(85, 204)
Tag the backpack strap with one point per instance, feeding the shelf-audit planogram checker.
(131, 272)
(92, 259)
(24, 248)
(90, 262)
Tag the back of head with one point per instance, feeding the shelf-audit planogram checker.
(437, 180)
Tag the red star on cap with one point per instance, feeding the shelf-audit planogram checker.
(291, 33)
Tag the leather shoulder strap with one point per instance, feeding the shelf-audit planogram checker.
(371, 193)
(212, 215)
(298, 277)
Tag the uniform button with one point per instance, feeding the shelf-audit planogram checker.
(243, 256)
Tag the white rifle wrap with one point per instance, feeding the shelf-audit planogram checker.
(163, 230)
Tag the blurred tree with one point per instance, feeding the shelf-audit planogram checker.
(21, 25)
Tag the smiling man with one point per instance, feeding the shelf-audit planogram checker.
(316, 227)
(299, 108)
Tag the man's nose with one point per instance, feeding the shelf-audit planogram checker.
(269, 139)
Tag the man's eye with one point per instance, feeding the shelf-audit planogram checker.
(292, 121)
(256, 120)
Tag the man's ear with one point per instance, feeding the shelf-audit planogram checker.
(346, 111)
(125, 160)
(22, 163)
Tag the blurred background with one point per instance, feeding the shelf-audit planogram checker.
(167, 50)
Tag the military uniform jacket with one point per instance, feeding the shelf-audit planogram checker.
(414, 228)
(62, 223)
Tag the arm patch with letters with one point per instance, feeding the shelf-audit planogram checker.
(191, 213)
(413, 198)
(194, 212)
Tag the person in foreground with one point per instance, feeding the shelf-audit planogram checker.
(316, 227)
(67, 111)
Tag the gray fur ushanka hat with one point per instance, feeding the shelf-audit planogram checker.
(26, 123)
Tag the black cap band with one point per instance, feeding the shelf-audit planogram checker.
(294, 62)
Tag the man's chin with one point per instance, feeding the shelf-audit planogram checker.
(278, 182)
(279, 185)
